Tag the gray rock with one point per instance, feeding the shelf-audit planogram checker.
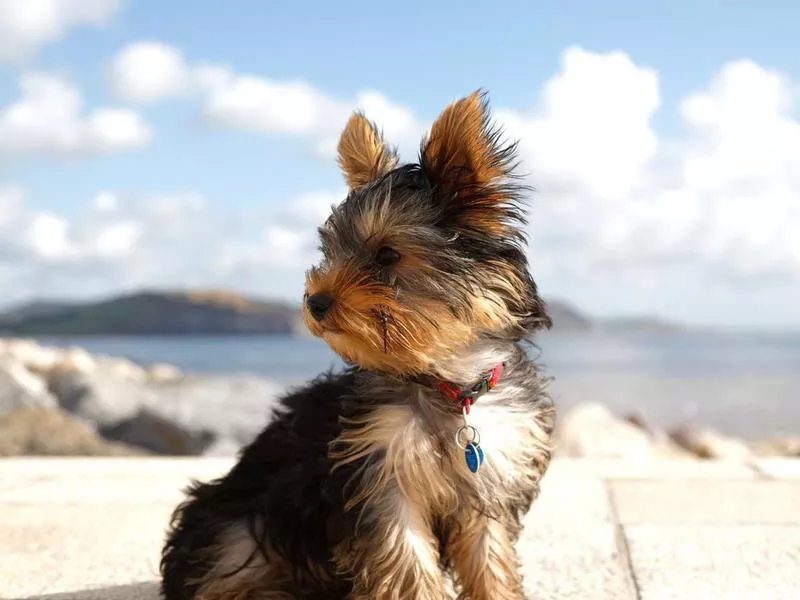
(20, 388)
(223, 447)
(212, 416)
(36, 358)
(591, 430)
(232, 409)
(49, 431)
(102, 397)
(191, 416)
(164, 373)
(706, 443)
(158, 434)
(788, 445)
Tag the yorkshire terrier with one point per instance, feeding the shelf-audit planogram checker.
(406, 475)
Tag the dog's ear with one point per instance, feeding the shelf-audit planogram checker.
(363, 155)
(469, 167)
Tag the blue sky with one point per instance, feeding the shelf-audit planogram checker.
(236, 188)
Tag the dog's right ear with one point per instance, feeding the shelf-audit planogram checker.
(363, 155)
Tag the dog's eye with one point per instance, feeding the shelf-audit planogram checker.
(386, 257)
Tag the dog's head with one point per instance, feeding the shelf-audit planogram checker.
(422, 259)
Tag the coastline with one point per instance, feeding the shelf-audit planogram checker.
(67, 401)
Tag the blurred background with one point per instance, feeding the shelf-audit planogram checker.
(163, 167)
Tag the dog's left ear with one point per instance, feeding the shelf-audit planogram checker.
(363, 155)
(469, 167)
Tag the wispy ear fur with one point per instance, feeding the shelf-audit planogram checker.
(472, 170)
(363, 155)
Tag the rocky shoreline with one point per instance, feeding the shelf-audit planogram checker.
(68, 402)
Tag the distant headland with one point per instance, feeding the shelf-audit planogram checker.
(220, 312)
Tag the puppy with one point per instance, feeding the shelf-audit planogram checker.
(412, 468)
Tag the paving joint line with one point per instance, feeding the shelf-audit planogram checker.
(621, 542)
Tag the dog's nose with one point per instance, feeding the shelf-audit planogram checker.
(318, 305)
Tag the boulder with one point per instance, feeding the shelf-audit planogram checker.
(706, 443)
(223, 447)
(170, 414)
(19, 387)
(161, 435)
(164, 373)
(199, 416)
(36, 358)
(786, 446)
(76, 359)
(591, 431)
(39, 430)
(232, 408)
(101, 396)
(122, 367)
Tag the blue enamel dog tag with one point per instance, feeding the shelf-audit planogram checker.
(474, 456)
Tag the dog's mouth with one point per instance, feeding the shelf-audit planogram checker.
(330, 330)
(370, 333)
(324, 327)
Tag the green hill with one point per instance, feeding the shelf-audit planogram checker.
(218, 313)
(155, 313)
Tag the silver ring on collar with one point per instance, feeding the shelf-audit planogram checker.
(461, 433)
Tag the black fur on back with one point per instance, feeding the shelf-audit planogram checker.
(281, 489)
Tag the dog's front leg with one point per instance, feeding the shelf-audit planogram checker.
(484, 555)
(393, 554)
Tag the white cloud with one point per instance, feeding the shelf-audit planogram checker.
(27, 24)
(48, 236)
(742, 161)
(149, 71)
(11, 205)
(699, 225)
(591, 129)
(249, 103)
(661, 223)
(105, 201)
(34, 238)
(127, 242)
(118, 239)
(282, 107)
(308, 211)
(48, 119)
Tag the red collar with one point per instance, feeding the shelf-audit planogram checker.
(463, 398)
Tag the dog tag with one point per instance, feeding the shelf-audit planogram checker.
(473, 454)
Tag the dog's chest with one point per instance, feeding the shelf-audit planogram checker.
(419, 448)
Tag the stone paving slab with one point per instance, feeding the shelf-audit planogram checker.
(77, 546)
(779, 468)
(91, 491)
(716, 563)
(618, 470)
(570, 543)
(16, 470)
(106, 522)
(92, 529)
(686, 502)
(145, 590)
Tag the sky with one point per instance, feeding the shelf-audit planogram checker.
(151, 144)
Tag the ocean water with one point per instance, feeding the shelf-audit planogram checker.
(744, 384)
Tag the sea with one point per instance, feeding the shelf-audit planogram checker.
(743, 384)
